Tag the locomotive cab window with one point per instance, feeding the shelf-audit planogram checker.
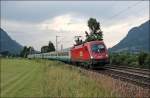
(98, 47)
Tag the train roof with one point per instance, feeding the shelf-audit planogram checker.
(90, 42)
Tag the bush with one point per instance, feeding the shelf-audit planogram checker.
(147, 61)
(142, 57)
(141, 60)
(134, 64)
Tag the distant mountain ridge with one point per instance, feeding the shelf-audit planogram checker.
(137, 39)
(7, 44)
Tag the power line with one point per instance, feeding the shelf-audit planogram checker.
(122, 11)
(129, 7)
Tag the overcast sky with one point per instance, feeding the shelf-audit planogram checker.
(34, 23)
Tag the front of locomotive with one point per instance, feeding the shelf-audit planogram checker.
(98, 54)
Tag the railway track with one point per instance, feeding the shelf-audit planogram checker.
(137, 76)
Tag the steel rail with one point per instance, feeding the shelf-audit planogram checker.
(136, 76)
(139, 72)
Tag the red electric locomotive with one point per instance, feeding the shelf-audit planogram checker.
(90, 54)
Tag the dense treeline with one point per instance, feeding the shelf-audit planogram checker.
(49, 48)
(26, 51)
(141, 60)
(29, 50)
(8, 54)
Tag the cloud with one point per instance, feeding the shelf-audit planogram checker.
(27, 33)
(67, 26)
(67, 22)
(38, 34)
(12, 25)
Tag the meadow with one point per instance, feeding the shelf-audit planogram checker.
(44, 78)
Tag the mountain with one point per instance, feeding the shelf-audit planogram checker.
(7, 44)
(137, 39)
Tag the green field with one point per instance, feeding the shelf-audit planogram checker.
(43, 78)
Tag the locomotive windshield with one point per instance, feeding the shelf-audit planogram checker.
(98, 47)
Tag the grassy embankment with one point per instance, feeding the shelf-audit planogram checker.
(42, 78)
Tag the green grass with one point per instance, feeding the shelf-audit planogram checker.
(21, 78)
(43, 78)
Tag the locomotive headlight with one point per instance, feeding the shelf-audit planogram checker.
(91, 57)
(106, 55)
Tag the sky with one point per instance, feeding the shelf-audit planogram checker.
(35, 23)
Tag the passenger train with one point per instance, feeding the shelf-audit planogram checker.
(93, 54)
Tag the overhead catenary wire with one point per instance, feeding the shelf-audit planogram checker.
(123, 11)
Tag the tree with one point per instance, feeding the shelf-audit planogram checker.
(48, 48)
(93, 25)
(31, 50)
(44, 49)
(142, 58)
(96, 33)
(23, 52)
(26, 51)
(51, 47)
(147, 61)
